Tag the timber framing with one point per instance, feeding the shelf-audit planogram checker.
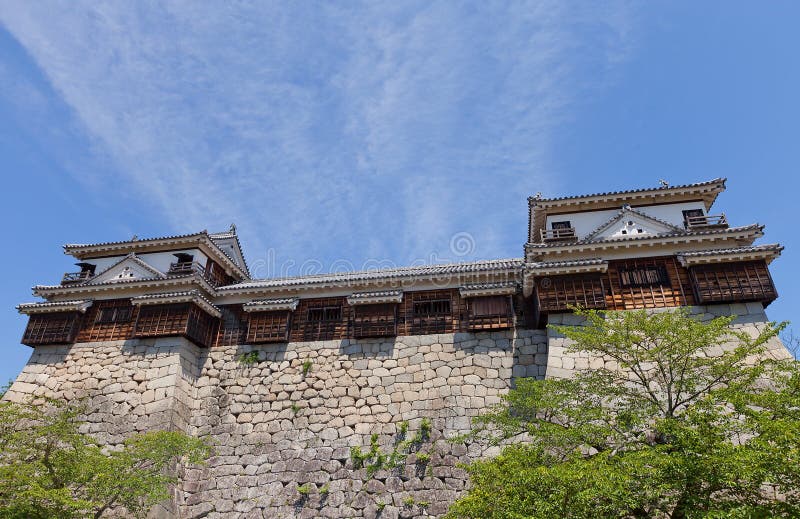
(208, 296)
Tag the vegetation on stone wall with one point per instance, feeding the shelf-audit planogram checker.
(50, 469)
(249, 359)
(696, 422)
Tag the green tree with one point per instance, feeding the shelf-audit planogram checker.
(689, 426)
(49, 469)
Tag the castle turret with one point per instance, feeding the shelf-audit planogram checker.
(647, 248)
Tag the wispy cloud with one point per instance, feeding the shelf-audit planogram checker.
(329, 131)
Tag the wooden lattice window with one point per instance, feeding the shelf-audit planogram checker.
(201, 328)
(268, 326)
(644, 276)
(323, 321)
(733, 282)
(431, 312)
(375, 320)
(326, 313)
(559, 293)
(162, 320)
(432, 308)
(120, 313)
(490, 312)
(183, 319)
(55, 328)
(232, 328)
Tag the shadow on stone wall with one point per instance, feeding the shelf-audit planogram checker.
(382, 347)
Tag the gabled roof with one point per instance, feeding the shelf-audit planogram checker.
(540, 208)
(132, 259)
(238, 255)
(202, 240)
(624, 213)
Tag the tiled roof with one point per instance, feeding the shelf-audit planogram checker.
(630, 191)
(771, 247)
(569, 266)
(377, 293)
(489, 286)
(729, 230)
(379, 274)
(287, 303)
(278, 301)
(49, 290)
(567, 263)
(73, 248)
(187, 295)
(78, 305)
(232, 234)
(378, 296)
(486, 289)
(137, 240)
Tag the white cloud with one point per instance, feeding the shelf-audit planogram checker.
(328, 131)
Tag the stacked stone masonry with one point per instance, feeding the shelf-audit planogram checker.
(283, 437)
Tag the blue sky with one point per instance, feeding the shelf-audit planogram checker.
(359, 134)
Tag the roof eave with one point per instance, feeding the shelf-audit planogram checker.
(750, 233)
(57, 290)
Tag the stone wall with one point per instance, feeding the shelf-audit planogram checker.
(750, 318)
(277, 429)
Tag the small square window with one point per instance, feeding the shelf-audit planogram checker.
(566, 224)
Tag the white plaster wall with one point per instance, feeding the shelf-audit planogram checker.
(586, 222)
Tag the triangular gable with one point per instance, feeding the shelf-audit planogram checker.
(129, 268)
(630, 223)
(228, 243)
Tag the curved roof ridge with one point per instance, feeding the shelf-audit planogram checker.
(630, 191)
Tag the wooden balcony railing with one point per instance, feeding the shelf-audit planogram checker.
(76, 277)
(566, 234)
(188, 267)
(708, 221)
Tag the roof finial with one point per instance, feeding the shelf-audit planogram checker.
(233, 228)
(663, 182)
(538, 195)
(135, 237)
